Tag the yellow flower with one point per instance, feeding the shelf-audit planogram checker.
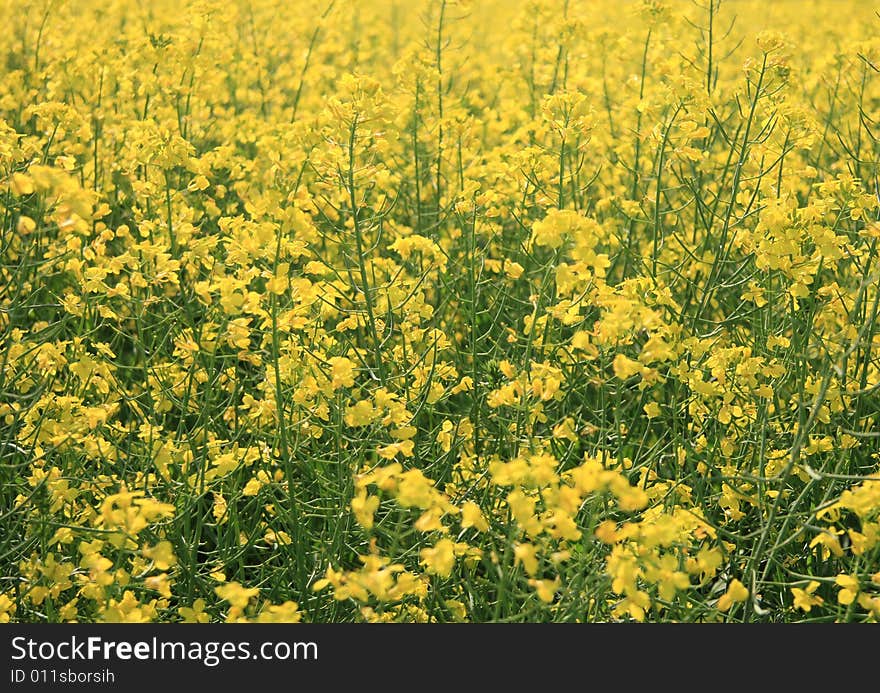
(439, 559)
(7, 608)
(288, 612)
(22, 184)
(804, 599)
(252, 487)
(736, 592)
(625, 367)
(472, 516)
(235, 594)
(361, 414)
(849, 585)
(364, 507)
(162, 555)
(341, 372)
(546, 589)
(196, 613)
(392, 450)
(829, 543)
(219, 507)
(706, 563)
(161, 583)
(526, 554)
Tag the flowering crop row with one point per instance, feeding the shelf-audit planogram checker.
(439, 311)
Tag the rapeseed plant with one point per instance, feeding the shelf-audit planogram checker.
(439, 311)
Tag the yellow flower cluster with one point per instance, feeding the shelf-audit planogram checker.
(439, 311)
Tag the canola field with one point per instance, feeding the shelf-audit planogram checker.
(379, 310)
